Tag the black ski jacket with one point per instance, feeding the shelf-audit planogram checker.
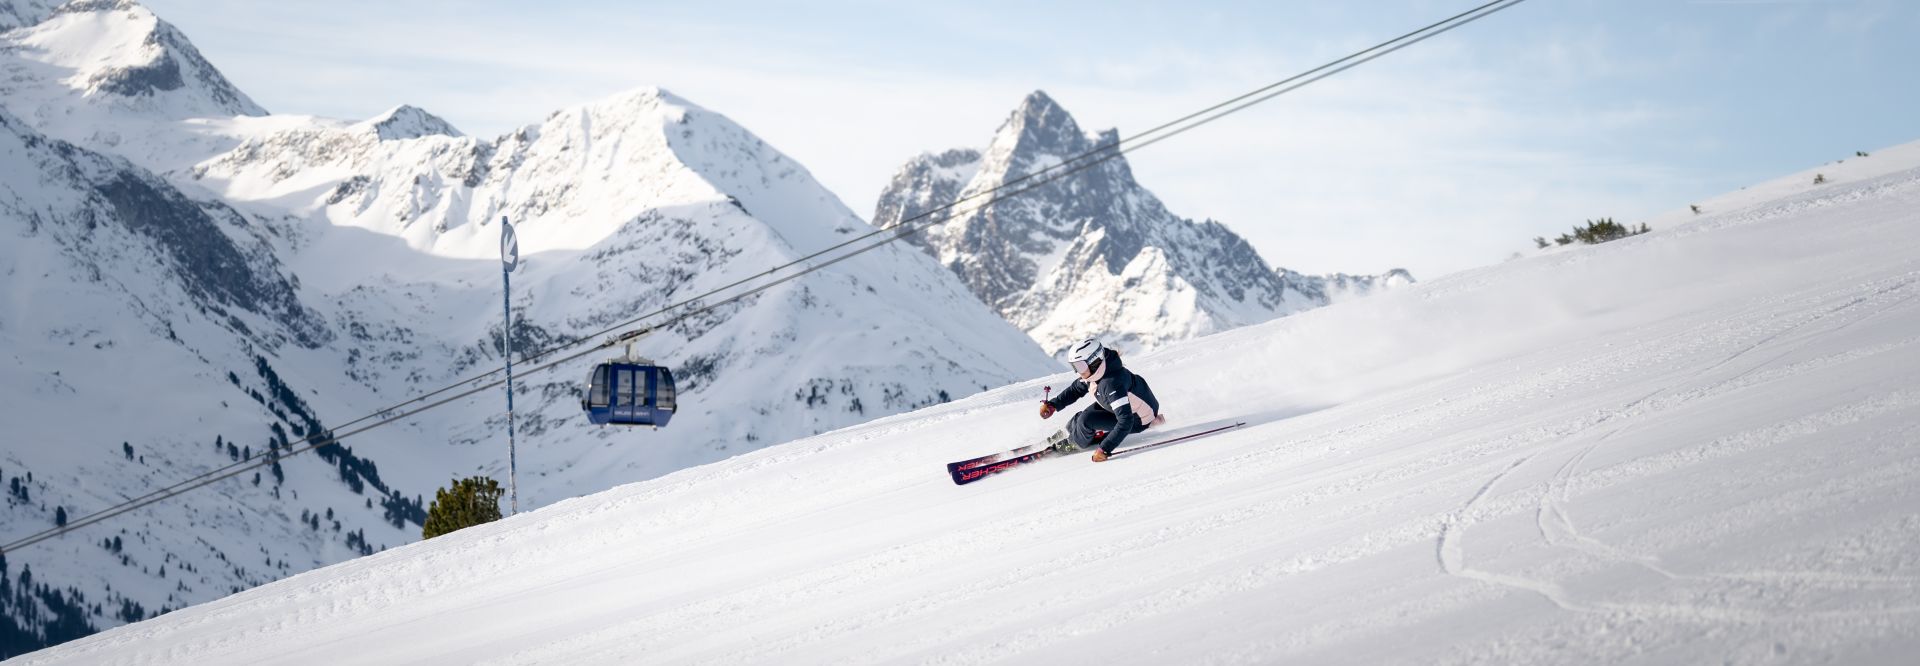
(1116, 390)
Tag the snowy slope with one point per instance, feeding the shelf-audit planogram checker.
(1691, 446)
(1093, 254)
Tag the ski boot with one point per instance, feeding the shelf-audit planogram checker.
(1061, 443)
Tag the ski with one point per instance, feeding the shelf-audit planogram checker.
(965, 475)
(1164, 442)
(974, 469)
(993, 457)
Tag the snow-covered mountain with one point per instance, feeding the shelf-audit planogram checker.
(407, 122)
(188, 273)
(1094, 253)
(1690, 446)
(139, 327)
(145, 322)
(110, 76)
(623, 207)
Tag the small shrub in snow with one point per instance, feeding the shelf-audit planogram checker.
(1819, 178)
(470, 501)
(1599, 231)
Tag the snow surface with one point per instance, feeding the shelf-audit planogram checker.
(1692, 445)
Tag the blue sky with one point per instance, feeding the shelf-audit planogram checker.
(1444, 156)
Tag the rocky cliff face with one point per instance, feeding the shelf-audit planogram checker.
(1093, 254)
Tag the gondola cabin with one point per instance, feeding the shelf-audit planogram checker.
(631, 392)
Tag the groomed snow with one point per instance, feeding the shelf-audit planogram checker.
(1690, 446)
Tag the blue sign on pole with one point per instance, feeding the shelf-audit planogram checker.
(509, 247)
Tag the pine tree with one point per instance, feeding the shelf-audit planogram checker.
(1600, 231)
(471, 501)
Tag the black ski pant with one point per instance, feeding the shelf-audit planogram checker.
(1094, 417)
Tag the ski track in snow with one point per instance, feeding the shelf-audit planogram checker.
(1557, 528)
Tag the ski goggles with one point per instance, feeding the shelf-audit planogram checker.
(1082, 367)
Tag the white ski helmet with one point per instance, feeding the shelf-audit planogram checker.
(1086, 356)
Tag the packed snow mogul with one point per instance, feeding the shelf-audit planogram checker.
(1122, 402)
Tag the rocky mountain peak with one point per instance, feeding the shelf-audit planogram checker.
(1038, 124)
(1092, 254)
(407, 122)
(119, 49)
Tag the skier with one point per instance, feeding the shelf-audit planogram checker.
(1122, 403)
